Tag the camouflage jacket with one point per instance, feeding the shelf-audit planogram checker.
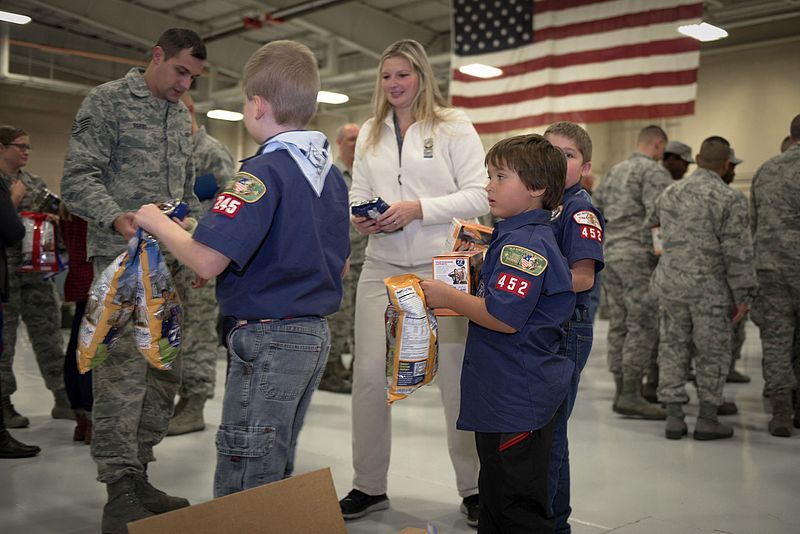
(626, 197)
(127, 148)
(211, 157)
(35, 185)
(708, 253)
(358, 241)
(775, 203)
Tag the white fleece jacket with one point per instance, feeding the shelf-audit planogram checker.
(441, 166)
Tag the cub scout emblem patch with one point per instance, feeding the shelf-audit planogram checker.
(246, 186)
(587, 218)
(523, 259)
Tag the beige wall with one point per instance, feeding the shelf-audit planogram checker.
(747, 95)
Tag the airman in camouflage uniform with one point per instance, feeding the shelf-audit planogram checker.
(131, 145)
(704, 278)
(626, 198)
(342, 323)
(775, 204)
(739, 332)
(34, 300)
(214, 167)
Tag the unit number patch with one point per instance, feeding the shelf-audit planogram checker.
(227, 205)
(512, 284)
(590, 232)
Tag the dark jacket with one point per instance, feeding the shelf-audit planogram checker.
(11, 231)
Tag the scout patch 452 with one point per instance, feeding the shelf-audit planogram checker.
(589, 225)
(523, 259)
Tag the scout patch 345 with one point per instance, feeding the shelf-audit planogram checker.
(523, 259)
(246, 186)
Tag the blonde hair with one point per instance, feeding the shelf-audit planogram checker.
(428, 100)
(285, 74)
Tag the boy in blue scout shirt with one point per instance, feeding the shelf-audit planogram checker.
(277, 238)
(579, 233)
(514, 378)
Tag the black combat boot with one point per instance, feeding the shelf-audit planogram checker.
(11, 448)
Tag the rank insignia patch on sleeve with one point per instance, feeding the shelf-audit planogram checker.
(523, 259)
(80, 125)
(246, 187)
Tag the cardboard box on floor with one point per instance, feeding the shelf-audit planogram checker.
(304, 504)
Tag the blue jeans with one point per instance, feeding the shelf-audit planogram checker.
(576, 346)
(274, 369)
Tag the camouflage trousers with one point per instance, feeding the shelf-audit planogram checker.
(632, 317)
(701, 330)
(738, 339)
(201, 345)
(342, 323)
(34, 300)
(133, 402)
(776, 311)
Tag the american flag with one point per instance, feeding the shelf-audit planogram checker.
(579, 60)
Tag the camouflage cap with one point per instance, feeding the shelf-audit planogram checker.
(681, 150)
(734, 159)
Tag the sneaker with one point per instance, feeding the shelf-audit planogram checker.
(471, 507)
(358, 504)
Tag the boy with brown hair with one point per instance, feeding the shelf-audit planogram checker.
(579, 233)
(514, 378)
(277, 239)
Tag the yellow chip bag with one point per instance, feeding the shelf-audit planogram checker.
(412, 338)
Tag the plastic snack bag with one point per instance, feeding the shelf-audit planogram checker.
(159, 314)
(137, 283)
(412, 338)
(39, 250)
(108, 309)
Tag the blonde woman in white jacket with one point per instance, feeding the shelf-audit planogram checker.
(425, 160)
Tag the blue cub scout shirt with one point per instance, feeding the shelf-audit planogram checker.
(286, 245)
(516, 382)
(579, 233)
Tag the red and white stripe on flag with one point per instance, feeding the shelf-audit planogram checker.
(590, 61)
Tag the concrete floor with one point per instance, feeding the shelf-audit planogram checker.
(627, 478)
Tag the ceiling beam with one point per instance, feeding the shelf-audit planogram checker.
(143, 26)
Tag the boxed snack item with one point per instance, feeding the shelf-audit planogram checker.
(412, 338)
(461, 270)
(467, 235)
(39, 249)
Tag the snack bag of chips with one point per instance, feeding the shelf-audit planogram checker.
(159, 314)
(108, 309)
(138, 284)
(39, 250)
(412, 338)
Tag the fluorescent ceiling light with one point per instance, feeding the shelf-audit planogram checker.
(224, 115)
(327, 97)
(703, 32)
(5, 16)
(480, 70)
